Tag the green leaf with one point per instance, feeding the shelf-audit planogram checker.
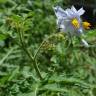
(3, 1)
(27, 94)
(54, 87)
(2, 37)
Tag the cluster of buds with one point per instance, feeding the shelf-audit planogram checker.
(69, 21)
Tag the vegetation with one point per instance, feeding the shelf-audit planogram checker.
(36, 59)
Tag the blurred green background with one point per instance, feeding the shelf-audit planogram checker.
(67, 71)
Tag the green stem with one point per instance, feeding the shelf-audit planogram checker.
(39, 48)
(21, 36)
(35, 55)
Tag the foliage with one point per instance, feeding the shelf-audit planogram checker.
(66, 70)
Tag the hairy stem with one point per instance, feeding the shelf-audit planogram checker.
(21, 36)
(35, 55)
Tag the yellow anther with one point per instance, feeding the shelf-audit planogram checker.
(86, 25)
(75, 23)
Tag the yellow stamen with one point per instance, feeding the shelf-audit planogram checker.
(75, 23)
(86, 25)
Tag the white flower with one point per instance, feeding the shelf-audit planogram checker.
(70, 21)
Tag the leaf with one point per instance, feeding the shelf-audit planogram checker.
(53, 59)
(2, 37)
(70, 81)
(54, 87)
(27, 94)
(13, 74)
(6, 56)
(3, 1)
(4, 80)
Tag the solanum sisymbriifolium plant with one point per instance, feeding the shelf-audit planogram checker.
(38, 60)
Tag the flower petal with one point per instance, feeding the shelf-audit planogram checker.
(73, 9)
(60, 23)
(81, 11)
(60, 13)
(69, 13)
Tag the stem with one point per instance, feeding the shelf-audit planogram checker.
(39, 48)
(21, 36)
(35, 55)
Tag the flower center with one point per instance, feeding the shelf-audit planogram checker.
(86, 25)
(75, 23)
